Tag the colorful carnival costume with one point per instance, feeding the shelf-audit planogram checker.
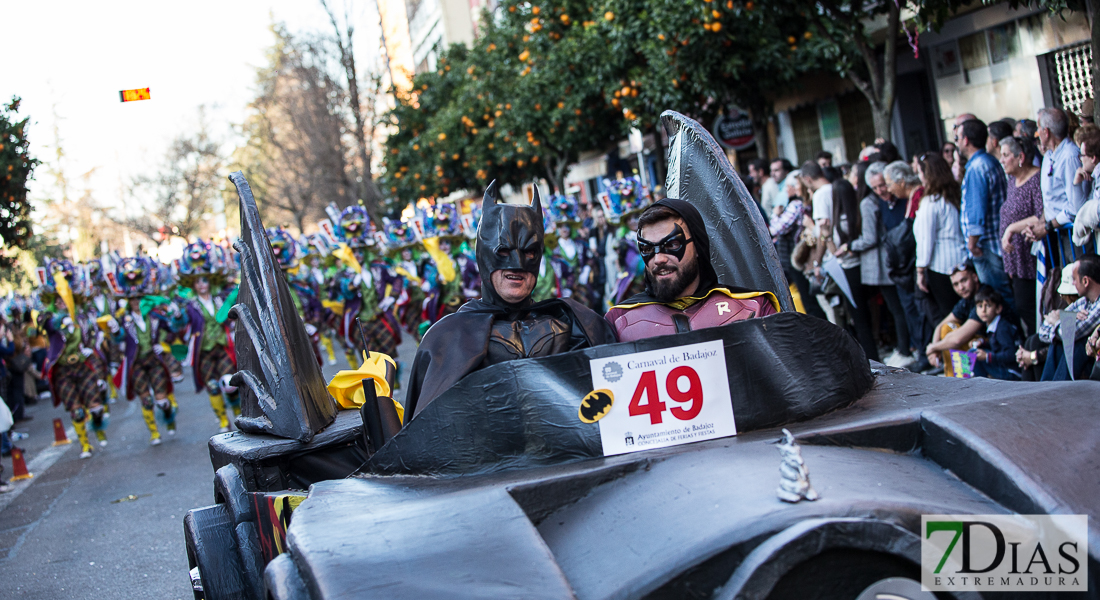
(210, 350)
(72, 368)
(369, 293)
(144, 373)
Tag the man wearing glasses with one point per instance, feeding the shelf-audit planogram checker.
(682, 290)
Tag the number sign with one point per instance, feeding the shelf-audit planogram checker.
(665, 397)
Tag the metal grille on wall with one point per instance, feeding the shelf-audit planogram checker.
(1072, 75)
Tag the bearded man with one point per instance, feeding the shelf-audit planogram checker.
(682, 290)
(505, 324)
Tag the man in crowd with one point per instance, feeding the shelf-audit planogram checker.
(1086, 280)
(682, 290)
(824, 158)
(963, 324)
(1061, 159)
(780, 169)
(984, 187)
(505, 324)
(761, 179)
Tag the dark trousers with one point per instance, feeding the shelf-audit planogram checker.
(916, 317)
(942, 295)
(809, 301)
(897, 311)
(14, 395)
(1024, 291)
(1056, 368)
(860, 314)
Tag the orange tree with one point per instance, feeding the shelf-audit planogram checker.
(698, 56)
(521, 103)
(16, 167)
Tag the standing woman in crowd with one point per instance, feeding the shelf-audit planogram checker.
(1023, 203)
(873, 272)
(847, 224)
(940, 243)
(787, 229)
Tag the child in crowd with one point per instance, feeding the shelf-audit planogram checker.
(996, 357)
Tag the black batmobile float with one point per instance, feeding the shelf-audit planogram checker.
(505, 486)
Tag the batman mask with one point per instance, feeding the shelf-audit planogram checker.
(509, 237)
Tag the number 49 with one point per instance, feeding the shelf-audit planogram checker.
(655, 407)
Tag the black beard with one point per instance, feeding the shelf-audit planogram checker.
(668, 290)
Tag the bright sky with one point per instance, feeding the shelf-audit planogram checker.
(73, 57)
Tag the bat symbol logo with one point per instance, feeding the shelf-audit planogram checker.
(596, 405)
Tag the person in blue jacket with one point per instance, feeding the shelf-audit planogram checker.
(996, 357)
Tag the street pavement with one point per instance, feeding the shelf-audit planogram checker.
(112, 525)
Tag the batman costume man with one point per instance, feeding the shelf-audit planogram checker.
(505, 324)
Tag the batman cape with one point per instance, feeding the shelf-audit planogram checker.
(489, 331)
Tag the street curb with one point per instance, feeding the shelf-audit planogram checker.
(37, 466)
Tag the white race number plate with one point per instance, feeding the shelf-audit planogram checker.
(665, 397)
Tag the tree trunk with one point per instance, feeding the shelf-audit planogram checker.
(368, 192)
(882, 117)
(881, 88)
(760, 131)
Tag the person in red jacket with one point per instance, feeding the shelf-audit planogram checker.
(682, 290)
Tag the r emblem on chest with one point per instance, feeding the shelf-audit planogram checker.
(723, 308)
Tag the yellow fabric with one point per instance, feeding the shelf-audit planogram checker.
(150, 422)
(327, 343)
(345, 254)
(334, 306)
(103, 323)
(409, 276)
(62, 286)
(347, 386)
(445, 264)
(217, 402)
(82, 434)
(797, 298)
(682, 303)
(293, 270)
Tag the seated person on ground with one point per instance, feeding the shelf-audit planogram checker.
(505, 324)
(1086, 280)
(996, 357)
(960, 329)
(682, 290)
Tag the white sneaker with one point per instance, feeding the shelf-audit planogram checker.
(155, 442)
(171, 432)
(896, 359)
(102, 443)
(223, 430)
(332, 361)
(85, 454)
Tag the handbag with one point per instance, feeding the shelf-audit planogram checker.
(901, 255)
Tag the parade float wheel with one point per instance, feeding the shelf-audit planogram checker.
(212, 550)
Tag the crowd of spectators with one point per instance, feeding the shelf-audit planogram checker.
(967, 258)
(22, 354)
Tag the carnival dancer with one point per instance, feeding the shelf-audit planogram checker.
(287, 253)
(369, 293)
(101, 308)
(72, 371)
(209, 338)
(144, 373)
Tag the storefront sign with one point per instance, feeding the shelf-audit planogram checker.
(733, 129)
